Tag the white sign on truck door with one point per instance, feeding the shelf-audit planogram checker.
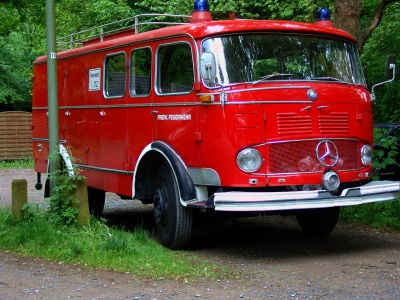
(94, 79)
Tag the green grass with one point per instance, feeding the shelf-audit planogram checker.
(102, 247)
(19, 163)
(99, 246)
(378, 215)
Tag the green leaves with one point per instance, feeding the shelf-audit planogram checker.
(302, 10)
(15, 70)
(386, 153)
(384, 40)
(23, 39)
(75, 15)
(62, 200)
(9, 18)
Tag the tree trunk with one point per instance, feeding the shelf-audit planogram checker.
(347, 16)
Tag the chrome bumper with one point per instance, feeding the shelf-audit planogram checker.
(374, 191)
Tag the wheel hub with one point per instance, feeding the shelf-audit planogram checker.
(161, 208)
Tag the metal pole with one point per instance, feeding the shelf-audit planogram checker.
(52, 92)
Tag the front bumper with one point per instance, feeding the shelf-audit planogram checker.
(374, 191)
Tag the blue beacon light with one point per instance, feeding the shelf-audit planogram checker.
(201, 12)
(323, 14)
(201, 5)
(324, 17)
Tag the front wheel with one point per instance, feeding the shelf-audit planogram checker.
(318, 221)
(173, 221)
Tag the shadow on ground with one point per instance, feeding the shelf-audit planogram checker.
(261, 237)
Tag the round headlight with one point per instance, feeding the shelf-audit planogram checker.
(366, 155)
(249, 160)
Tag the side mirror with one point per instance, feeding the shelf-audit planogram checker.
(390, 66)
(208, 66)
(390, 73)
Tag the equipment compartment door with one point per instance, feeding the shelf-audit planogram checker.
(113, 116)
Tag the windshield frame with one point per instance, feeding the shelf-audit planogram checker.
(351, 58)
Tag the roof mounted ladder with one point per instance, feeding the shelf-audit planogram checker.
(77, 39)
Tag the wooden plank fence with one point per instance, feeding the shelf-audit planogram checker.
(15, 135)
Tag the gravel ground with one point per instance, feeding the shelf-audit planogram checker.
(8, 175)
(271, 256)
(36, 196)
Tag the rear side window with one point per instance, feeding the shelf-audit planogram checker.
(140, 81)
(174, 69)
(115, 75)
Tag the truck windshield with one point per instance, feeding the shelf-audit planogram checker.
(262, 57)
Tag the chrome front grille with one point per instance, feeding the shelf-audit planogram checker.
(300, 156)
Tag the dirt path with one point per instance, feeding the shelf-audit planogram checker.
(272, 258)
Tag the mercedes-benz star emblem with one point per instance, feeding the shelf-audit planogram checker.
(312, 94)
(327, 153)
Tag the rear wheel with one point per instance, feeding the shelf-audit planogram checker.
(319, 221)
(96, 199)
(173, 221)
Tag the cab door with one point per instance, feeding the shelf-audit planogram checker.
(174, 112)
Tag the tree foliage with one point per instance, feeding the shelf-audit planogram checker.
(360, 18)
(384, 40)
(16, 58)
(9, 18)
(302, 10)
(23, 39)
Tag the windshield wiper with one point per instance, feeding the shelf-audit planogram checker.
(266, 77)
(327, 78)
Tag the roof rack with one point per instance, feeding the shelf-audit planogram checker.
(77, 39)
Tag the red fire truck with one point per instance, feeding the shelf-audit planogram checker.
(228, 115)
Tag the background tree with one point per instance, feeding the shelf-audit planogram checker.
(384, 40)
(351, 14)
(17, 52)
(359, 18)
(23, 39)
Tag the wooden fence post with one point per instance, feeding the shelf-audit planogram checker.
(19, 196)
(80, 193)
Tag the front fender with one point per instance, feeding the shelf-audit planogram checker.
(185, 183)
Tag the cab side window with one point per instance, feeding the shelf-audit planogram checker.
(140, 79)
(175, 69)
(115, 75)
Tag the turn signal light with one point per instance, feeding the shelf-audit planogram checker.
(206, 98)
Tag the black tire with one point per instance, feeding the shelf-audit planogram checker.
(96, 199)
(318, 222)
(173, 221)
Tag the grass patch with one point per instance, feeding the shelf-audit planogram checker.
(99, 246)
(19, 163)
(378, 215)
